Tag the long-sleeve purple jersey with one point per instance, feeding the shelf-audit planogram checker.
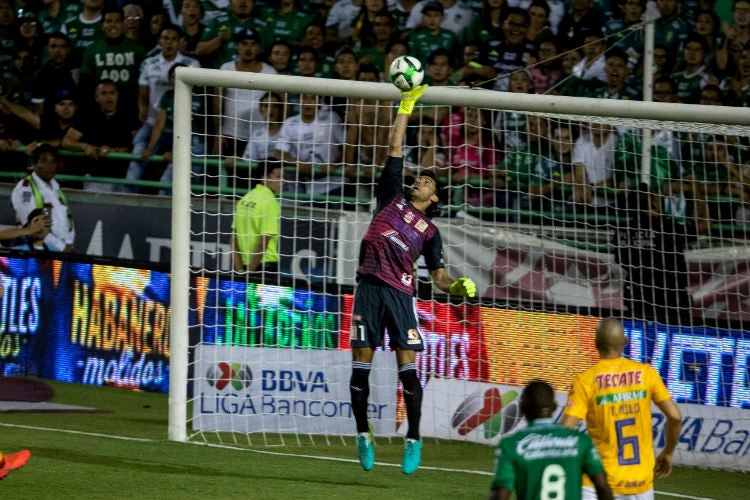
(398, 234)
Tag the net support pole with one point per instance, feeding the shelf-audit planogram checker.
(648, 96)
(180, 261)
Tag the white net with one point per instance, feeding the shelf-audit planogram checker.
(559, 218)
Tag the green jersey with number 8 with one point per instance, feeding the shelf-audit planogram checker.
(545, 461)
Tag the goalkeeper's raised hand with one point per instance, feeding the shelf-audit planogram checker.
(409, 99)
(464, 287)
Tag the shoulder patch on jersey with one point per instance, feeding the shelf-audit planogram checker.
(421, 225)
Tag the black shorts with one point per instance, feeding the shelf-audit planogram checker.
(378, 306)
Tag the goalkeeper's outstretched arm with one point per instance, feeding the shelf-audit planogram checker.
(405, 107)
(396, 141)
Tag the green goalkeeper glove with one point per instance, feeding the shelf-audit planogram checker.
(463, 286)
(409, 99)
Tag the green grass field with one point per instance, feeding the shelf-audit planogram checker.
(122, 453)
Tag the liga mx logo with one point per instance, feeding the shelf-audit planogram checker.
(496, 413)
(234, 374)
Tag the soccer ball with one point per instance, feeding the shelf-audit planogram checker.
(406, 72)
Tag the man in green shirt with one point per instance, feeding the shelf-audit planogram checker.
(84, 29)
(218, 39)
(255, 236)
(545, 460)
(114, 57)
(286, 21)
(430, 35)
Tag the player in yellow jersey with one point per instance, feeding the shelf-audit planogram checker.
(614, 396)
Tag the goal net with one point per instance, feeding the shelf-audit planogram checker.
(562, 210)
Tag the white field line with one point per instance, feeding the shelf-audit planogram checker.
(294, 455)
(680, 495)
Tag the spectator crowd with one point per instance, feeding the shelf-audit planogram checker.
(96, 76)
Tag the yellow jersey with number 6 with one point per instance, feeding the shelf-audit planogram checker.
(614, 397)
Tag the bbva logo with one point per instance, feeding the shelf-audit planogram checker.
(223, 374)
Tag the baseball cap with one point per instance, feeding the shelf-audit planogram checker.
(63, 94)
(433, 7)
(247, 34)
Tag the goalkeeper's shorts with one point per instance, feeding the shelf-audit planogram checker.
(378, 306)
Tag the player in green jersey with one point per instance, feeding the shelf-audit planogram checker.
(545, 460)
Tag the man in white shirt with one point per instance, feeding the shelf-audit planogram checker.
(262, 144)
(40, 190)
(153, 82)
(313, 140)
(238, 112)
(593, 161)
(591, 67)
(341, 18)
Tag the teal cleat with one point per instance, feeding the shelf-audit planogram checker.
(412, 456)
(365, 450)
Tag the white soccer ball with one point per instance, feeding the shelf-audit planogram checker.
(406, 72)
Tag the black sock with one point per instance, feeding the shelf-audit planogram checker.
(412, 397)
(359, 388)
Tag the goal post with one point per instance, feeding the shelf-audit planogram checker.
(544, 276)
(180, 262)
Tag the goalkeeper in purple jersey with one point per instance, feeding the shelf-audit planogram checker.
(399, 233)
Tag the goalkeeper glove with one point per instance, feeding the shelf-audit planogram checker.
(409, 99)
(463, 286)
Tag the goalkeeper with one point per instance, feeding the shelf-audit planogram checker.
(399, 233)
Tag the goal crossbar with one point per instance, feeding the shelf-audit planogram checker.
(474, 97)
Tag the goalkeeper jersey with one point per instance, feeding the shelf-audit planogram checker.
(398, 234)
(545, 460)
(614, 396)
